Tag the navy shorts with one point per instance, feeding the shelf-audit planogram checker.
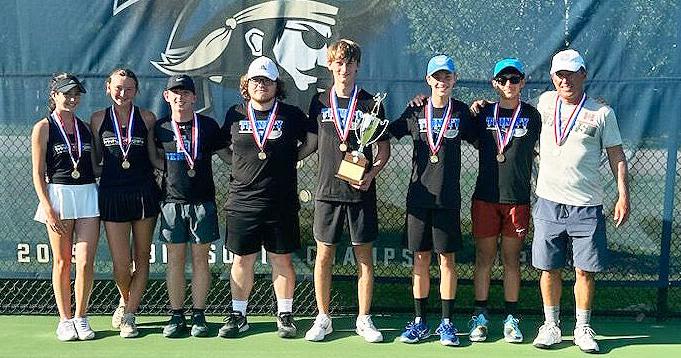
(189, 223)
(330, 218)
(561, 228)
(436, 230)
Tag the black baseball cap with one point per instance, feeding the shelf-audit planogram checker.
(181, 82)
(66, 83)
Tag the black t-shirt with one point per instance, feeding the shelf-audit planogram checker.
(507, 182)
(58, 162)
(178, 186)
(329, 187)
(435, 185)
(272, 182)
(140, 170)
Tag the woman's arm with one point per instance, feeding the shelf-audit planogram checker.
(39, 166)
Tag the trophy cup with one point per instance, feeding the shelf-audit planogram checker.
(354, 164)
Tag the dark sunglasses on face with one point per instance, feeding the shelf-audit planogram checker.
(513, 79)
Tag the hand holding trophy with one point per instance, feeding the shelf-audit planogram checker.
(353, 165)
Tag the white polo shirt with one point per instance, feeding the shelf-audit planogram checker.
(569, 173)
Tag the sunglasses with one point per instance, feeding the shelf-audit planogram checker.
(513, 79)
(261, 80)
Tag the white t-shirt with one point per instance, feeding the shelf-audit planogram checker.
(569, 173)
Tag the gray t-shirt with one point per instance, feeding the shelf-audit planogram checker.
(569, 173)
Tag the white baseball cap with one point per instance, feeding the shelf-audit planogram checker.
(567, 60)
(263, 67)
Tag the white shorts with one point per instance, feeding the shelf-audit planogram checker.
(71, 201)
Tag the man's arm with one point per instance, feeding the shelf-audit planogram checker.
(618, 165)
(379, 162)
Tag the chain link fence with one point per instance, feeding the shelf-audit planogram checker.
(645, 277)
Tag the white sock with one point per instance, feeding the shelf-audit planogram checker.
(417, 320)
(583, 317)
(285, 305)
(551, 314)
(239, 306)
(445, 320)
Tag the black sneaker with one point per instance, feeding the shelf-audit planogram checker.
(235, 323)
(199, 327)
(286, 327)
(177, 326)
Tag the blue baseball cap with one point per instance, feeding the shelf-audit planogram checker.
(440, 62)
(509, 63)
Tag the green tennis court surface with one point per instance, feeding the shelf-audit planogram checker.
(33, 336)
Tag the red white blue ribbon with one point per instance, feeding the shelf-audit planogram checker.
(561, 132)
(271, 119)
(190, 158)
(128, 138)
(343, 127)
(436, 143)
(79, 143)
(502, 141)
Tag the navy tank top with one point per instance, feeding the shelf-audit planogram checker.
(59, 165)
(140, 169)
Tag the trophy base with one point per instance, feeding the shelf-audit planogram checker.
(352, 169)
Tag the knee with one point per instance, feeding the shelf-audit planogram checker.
(581, 275)
(511, 263)
(84, 265)
(422, 263)
(62, 265)
(324, 257)
(483, 260)
(447, 262)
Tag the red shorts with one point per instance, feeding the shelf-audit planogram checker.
(492, 219)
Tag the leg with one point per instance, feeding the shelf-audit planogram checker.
(142, 231)
(365, 275)
(118, 239)
(448, 276)
(241, 276)
(322, 276)
(87, 234)
(421, 274)
(485, 252)
(61, 267)
(175, 281)
(551, 282)
(200, 275)
(283, 275)
(511, 258)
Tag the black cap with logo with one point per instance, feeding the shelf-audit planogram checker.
(181, 82)
(66, 83)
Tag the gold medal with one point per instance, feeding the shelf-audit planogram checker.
(191, 173)
(75, 174)
(501, 157)
(434, 159)
(262, 156)
(343, 147)
(125, 164)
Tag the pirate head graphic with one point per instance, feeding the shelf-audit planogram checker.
(294, 33)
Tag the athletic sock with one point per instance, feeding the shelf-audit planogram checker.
(239, 306)
(178, 312)
(198, 311)
(447, 306)
(284, 305)
(551, 314)
(511, 308)
(480, 308)
(583, 317)
(421, 309)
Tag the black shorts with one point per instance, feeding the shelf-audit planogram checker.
(330, 218)
(189, 223)
(277, 229)
(429, 229)
(122, 204)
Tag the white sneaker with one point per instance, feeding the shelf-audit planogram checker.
(365, 328)
(118, 315)
(585, 339)
(549, 334)
(83, 328)
(128, 326)
(320, 329)
(66, 331)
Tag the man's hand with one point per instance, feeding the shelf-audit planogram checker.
(364, 183)
(621, 211)
(418, 100)
(478, 105)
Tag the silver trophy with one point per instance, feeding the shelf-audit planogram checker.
(354, 164)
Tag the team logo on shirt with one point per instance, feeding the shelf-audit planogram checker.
(113, 141)
(504, 122)
(62, 148)
(452, 128)
(327, 116)
(246, 128)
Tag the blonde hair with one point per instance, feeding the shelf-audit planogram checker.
(345, 50)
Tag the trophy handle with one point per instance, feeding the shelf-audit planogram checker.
(383, 123)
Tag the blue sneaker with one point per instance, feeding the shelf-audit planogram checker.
(512, 333)
(447, 333)
(478, 328)
(415, 332)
